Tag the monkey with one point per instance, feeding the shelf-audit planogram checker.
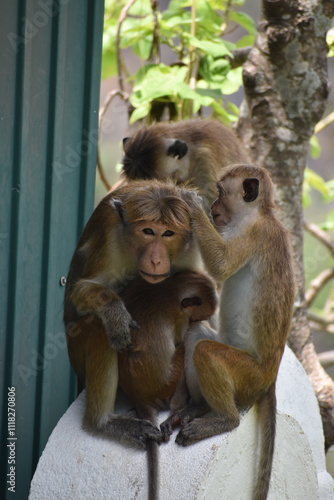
(140, 230)
(249, 251)
(195, 151)
(151, 372)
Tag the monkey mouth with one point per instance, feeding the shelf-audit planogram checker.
(153, 278)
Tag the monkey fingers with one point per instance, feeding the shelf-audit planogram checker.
(180, 418)
(148, 432)
(192, 198)
(168, 425)
(136, 432)
(202, 428)
(118, 324)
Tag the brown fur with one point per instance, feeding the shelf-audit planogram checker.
(140, 229)
(252, 257)
(151, 371)
(211, 147)
(163, 314)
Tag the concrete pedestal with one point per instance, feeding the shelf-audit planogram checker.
(78, 466)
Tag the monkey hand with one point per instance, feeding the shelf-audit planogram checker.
(190, 433)
(138, 432)
(118, 323)
(168, 425)
(179, 418)
(192, 198)
(134, 431)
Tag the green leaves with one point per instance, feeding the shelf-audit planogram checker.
(328, 225)
(200, 73)
(244, 20)
(312, 180)
(330, 42)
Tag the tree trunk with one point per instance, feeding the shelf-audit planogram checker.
(286, 87)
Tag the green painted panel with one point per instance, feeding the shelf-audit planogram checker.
(50, 55)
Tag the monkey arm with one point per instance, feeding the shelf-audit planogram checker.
(89, 296)
(222, 257)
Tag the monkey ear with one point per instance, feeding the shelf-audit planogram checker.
(178, 149)
(124, 141)
(251, 189)
(191, 302)
(117, 204)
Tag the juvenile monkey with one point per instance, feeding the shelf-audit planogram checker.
(194, 150)
(142, 229)
(250, 253)
(151, 372)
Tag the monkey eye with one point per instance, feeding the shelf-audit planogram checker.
(148, 230)
(168, 233)
(221, 190)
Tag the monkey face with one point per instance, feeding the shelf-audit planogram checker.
(155, 246)
(236, 199)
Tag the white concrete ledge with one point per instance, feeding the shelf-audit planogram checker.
(78, 466)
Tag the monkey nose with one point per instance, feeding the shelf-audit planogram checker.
(155, 262)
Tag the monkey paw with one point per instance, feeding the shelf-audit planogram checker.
(118, 324)
(166, 429)
(190, 433)
(144, 431)
(192, 198)
(172, 421)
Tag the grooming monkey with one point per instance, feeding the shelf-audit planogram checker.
(250, 253)
(142, 229)
(151, 372)
(194, 150)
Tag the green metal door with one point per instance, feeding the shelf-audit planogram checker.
(50, 53)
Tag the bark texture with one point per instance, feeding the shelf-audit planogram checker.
(286, 87)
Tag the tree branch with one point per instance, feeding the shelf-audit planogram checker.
(317, 284)
(110, 96)
(121, 20)
(326, 358)
(324, 123)
(319, 323)
(239, 57)
(320, 235)
(155, 48)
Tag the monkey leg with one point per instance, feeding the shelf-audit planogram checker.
(101, 367)
(227, 376)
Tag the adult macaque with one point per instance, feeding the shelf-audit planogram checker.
(194, 150)
(151, 372)
(250, 254)
(142, 229)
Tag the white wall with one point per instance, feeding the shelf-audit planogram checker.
(78, 466)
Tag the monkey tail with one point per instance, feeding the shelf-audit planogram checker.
(153, 469)
(267, 414)
(152, 453)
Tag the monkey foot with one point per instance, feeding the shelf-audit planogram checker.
(191, 432)
(146, 432)
(181, 418)
(202, 428)
(133, 431)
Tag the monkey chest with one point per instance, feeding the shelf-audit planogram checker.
(236, 309)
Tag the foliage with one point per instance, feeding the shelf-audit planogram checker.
(191, 32)
(330, 42)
